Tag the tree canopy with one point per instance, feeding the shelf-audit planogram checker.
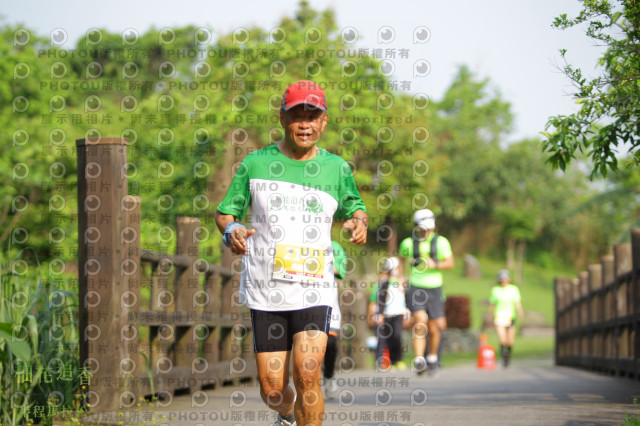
(192, 106)
(608, 120)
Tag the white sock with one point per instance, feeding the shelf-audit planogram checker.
(432, 358)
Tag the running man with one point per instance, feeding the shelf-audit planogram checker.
(295, 190)
(430, 254)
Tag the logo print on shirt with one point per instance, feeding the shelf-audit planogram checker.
(313, 204)
(276, 202)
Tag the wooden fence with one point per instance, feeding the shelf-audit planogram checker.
(598, 314)
(185, 331)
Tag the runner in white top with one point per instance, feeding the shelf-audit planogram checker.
(295, 190)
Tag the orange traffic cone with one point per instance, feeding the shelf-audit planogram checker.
(386, 358)
(486, 354)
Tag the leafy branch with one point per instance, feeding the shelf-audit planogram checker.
(610, 103)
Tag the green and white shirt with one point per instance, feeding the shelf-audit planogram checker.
(395, 302)
(289, 264)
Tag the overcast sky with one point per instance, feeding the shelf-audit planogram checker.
(510, 42)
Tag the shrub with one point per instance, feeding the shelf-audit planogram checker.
(39, 357)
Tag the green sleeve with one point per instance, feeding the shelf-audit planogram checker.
(493, 298)
(373, 297)
(406, 248)
(339, 259)
(517, 294)
(444, 248)
(238, 196)
(349, 198)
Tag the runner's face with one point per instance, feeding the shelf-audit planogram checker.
(423, 233)
(303, 125)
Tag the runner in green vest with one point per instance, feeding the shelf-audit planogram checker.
(505, 304)
(429, 254)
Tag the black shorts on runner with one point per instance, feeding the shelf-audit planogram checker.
(273, 331)
(425, 299)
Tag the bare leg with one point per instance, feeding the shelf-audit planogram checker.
(511, 335)
(419, 332)
(308, 352)
(435, 326)
(502, 334)
(273, 374)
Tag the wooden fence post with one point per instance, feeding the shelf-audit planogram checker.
(159, 335)
(583, 314)
(623, 264)
(575, 315)
(594, 283)
(557, 285)
(598, 315)
(229, 294)
(186, 286)
(129, 297)
(568, 297)
(561, 319)
(210, 348)
(635, 283)
(608, 276)
(619, 301)
(102, 185)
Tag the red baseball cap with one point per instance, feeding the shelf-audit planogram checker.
(304, 92)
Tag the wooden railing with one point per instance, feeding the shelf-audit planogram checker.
(598, 314)
(190, 333)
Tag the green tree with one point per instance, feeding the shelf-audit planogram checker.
(471, 120)
(24, 166)
(192, 108)
(610, 102)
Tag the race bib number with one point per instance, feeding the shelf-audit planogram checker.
(298, 263)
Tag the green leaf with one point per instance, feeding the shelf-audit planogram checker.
(18, 347)
(31, 324)
(616, 16)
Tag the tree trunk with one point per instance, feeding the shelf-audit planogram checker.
(522, 248)
(392, 242)
(511, 248)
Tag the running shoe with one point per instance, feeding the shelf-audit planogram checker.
(419, 365)
(282, 422)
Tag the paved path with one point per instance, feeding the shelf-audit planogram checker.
(526, 393)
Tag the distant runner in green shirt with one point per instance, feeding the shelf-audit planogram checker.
(429, 254)
(505, 304)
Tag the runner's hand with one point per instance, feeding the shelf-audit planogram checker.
(378, 319)
(238, 240)
(431, 264)
(358, 230)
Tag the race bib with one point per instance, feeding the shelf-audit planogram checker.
(298, 263)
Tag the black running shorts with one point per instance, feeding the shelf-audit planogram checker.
(273, 331)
